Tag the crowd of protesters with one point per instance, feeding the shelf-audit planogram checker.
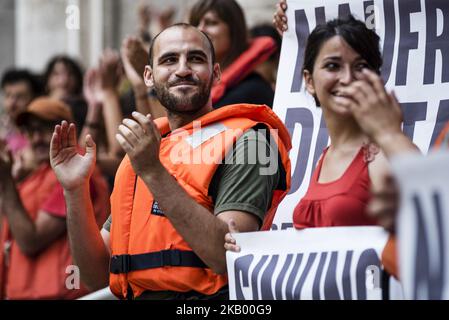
(87, 178)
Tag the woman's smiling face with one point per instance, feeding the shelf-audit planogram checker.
(336, 65)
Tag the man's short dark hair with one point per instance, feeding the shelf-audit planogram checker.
(184, 26)
(14, 76)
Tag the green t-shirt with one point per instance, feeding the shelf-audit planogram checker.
(247, 178)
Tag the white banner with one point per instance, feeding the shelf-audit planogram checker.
(423, 225)
(317, 263)
(415, 43)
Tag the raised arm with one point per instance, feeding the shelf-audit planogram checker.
(280, 19)
(73, 170)
(109, 75)
(32, 236)
(134, 58)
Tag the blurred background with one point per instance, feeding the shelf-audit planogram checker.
(32, 31)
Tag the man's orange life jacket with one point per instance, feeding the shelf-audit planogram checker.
(147, 251)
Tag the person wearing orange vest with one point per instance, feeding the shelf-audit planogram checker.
(183, 179)
(35, 259)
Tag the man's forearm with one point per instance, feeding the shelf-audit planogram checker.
(20, 223)
(88, 249)
(203, 231)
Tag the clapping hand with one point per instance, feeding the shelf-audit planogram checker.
(72, 168)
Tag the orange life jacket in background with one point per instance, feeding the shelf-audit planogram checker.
(390, 257)
(443, 138)
(147, 251)
(261, 48)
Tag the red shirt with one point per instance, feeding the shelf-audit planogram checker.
(44, 275)
(341, 202)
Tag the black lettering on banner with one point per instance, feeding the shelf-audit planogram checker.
(429, 279)
(413, 112)
(284, 226)
(435, 42)
(291, 278)
(304, 117)
(320, 15)
(316, 283)
(407, 40)
(241, 269)
(255, 275)
(422, 253)
(305, 273)
(343, 10)
(442, 118)
(280, 279)
(368, 258)
(389, 39)
(293, 288)
(302, 32)
(330, 282)
(266, 287)
(437, 280)
(347, 291)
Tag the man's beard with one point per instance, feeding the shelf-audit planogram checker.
(183, 103)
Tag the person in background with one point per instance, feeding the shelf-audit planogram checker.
(63, 79)
(224, 22)
(34, 248)
(19, 87)
(135, 58)
(341, 71)
(152, 21)
(105, 111)
(268, 69)
(168, 215)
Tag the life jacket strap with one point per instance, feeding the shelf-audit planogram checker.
(174, 258)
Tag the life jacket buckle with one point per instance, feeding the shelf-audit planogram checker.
(120, 264)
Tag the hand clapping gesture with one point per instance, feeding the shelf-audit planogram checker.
(140, 138)
(72, 169)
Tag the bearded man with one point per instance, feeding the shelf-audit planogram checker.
(181, 185)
